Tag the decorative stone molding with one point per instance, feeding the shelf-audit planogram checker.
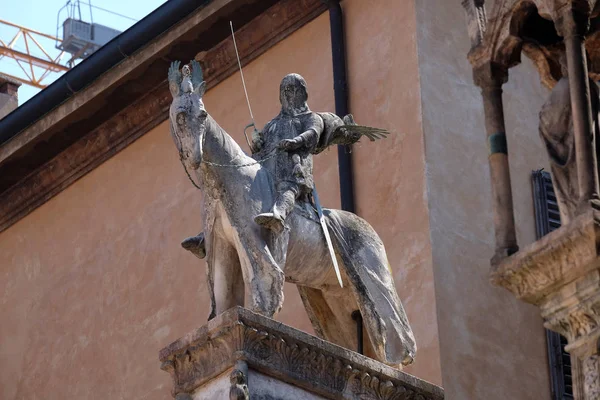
(591, 368)
(560, 257)
(239, 382)
(560, 273)
(285, 354)
(574, 310)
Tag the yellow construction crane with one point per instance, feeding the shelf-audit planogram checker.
(35, 68)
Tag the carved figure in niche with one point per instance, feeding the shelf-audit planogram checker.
(556, 130)
(243, 256)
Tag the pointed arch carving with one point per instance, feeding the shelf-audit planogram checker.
(511, 31)
(518, 27)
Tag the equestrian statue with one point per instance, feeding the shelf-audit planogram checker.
(263, 224)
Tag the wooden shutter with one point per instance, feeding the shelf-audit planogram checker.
(547, 219)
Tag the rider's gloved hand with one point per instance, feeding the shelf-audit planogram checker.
(291, 144)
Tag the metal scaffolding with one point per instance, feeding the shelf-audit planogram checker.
(35, 68)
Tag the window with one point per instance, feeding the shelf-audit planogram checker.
(547, 219)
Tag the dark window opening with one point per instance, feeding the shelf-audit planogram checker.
(530, 26)
(547, 219)
(540, 30)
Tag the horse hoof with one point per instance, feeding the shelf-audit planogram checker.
(269, 221)
(408, 360)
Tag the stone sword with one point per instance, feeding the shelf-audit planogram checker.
(327, 237)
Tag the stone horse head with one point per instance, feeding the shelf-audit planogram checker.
(187, 114)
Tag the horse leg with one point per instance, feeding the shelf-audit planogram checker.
(330, 312)
(228, 280)
(264, 279)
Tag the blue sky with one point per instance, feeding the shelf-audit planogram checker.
(41, 15)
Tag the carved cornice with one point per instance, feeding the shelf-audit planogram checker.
(147, 112)
(288, 355)
(557, 259)
(560, 273)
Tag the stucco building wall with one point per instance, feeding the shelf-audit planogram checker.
(390, 174)
(493, 347)
(94, 282)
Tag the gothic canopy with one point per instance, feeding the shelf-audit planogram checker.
(534, 27)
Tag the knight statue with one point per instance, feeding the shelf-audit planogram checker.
(298, 133)
(263, 224)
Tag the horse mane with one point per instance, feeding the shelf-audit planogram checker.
(227, 151)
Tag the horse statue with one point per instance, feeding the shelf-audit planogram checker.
(245, 257)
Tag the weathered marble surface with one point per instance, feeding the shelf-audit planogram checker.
(242, 254)
(277, 361)
(543, 267)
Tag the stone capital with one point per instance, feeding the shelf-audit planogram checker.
(560, 273)
(572, 18)
(574, 312)
(490, 75)
(543, 268)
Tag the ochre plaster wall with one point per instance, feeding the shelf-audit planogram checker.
(493, 346)
(94, 282)
(390, 174)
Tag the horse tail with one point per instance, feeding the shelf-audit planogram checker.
(365, 261)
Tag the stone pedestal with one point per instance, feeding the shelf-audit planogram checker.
(241, 355)
(561, 274)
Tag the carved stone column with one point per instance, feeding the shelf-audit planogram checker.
(490, 77)
(241, 355)
(572, 22)
(560, 273)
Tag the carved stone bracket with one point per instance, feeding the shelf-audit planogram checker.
(240, 337)
(560, 273)
(557, 259)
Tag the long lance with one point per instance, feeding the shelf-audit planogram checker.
(327, 237)
(237, 55)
